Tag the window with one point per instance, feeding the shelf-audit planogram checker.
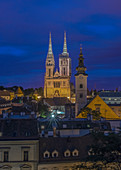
(55, 154)
(26, 155)
(90, 152)
(57, 84)
(46, 154)
(64, 71)
(81, 85)
(67, 153)
(25, 167)
(55, 168)
(49, 83)
(98, 109)
(64, 125)
(75, 152)
(81, 95)
(64, 83)
(49, 72)
(1, 156)
(6, 156)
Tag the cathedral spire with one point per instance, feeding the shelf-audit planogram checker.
(50, 45)
(65, 44)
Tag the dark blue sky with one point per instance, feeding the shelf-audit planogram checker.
(24, 29)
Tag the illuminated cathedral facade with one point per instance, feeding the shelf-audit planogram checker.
(57, 83)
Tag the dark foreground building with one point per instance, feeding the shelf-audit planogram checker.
(24, 147)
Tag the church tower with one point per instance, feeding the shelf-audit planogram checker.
(50, 63)
(65, 61)
(81, 84)
(57, 84)
(50, 66)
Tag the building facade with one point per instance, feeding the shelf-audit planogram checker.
(19, 144)
(57, 84)
(81, 84)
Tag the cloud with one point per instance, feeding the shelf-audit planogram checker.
(9, 50)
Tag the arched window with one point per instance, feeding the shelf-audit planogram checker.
(75, 152)
(6, 167)
(46, 154)
(67, 153)
(25, 167)
(55, 154)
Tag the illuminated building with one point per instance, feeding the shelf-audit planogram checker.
(57, 84)
(19, 92)
(99, 105)
(81, 84)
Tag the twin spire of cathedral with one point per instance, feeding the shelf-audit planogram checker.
(50, 52)
(50, 45)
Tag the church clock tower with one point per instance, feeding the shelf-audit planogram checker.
(81, 84)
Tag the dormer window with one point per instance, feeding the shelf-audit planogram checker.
(55, 154)
(75, 152)
(90, 152)
(67, 153)
(46, 154)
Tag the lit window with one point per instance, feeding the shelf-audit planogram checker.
(64, 125)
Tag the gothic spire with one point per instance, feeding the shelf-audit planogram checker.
(50, 45)
(65, 44)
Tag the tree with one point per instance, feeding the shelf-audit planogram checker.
(106, 149)
(29, 91)
(43, 110)
(104, 153)
(96, 115)
(40, 92)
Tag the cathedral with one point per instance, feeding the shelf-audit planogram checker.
(57, 83)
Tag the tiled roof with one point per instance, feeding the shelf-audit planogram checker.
(57, 101)
(18, 128)
(4, 93)
(19, 91)
(61, 145)
(74, 124)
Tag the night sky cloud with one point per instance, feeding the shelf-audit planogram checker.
(24, 29)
